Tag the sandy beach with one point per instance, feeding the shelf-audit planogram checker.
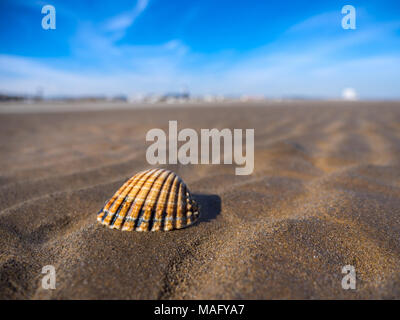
(325, 193)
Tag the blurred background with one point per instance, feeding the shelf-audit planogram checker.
(133, 50)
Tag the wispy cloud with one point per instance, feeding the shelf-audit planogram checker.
(327, 20)
(124, 20)
(292, 65)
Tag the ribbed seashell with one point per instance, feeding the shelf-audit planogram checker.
(152, 200)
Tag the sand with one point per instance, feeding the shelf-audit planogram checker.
(325, 193)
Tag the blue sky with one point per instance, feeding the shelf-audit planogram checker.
(271, 48)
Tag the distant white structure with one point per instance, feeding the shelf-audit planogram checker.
(247, 98)
(136, 98)
(349, 94)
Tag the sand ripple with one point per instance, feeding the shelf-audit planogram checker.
(325, 193)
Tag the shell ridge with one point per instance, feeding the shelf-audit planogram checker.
(111, 203)
(136, 209)
(181, 205)
(116, 202)
(174, 212)
(128, 220)
(109, 208)
(121, 205)
(132, 195)
(165, 208)
(108, 204)
(151, 201)
(160, 190)
(126, 200)
(167, 218)
(140, 218)
(163, 202)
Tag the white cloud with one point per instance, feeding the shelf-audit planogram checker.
(315, 68)
(326, 21)
(126, 19)
(372, 78)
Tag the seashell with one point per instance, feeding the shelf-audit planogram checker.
(152, 200)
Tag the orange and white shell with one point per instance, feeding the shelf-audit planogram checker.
(152, 200)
